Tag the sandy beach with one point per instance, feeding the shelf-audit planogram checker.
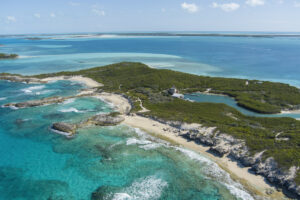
(254, 183)
(84, 80)
(290, 111)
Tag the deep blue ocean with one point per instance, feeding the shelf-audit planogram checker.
(119, 162)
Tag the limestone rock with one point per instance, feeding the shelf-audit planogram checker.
(64, 127)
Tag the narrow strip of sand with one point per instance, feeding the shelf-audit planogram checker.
(290, 111)
(254, 183)
(84, 80)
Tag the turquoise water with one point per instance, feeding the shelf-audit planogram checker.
(108, 162)
(119, 162)
(199, 97)
(269, 58)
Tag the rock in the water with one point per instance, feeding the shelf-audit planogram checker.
(106, 120)
(65, 127)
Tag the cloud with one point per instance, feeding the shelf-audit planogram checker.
(254, 3)
(228, 7)
(98, 12)
(37, 15)
(297, 4)
(53, 15)
(71, 3)
(10, 19)
(191, 8)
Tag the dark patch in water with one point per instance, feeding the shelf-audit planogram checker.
(54, 116)
(104, 192)
(15, 185)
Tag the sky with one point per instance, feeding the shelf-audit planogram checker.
(71, 16)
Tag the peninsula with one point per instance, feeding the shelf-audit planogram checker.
(268, 146)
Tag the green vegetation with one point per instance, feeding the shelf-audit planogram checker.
(263, 97)
(8, 56)
(138, 81)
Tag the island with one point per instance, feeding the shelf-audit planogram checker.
(8, 56)
(269, 146)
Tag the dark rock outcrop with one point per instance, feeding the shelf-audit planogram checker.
(21, 79)
(106, 120)
(65, 127)
(45, 101)
(98, 120)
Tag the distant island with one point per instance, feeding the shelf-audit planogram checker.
(8, 56)
(270, 146)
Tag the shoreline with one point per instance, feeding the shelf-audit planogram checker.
(255, 184)
(290, 111)
(90, 83)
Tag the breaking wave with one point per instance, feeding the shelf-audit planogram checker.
(213, 170)
(146, 188)
(33, 88)
(71, 110)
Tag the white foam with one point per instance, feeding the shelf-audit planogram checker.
(148, 188)
(121, 196)
(150, 146)
(2, 98)
(132, 141)
(69, 101)
(213, 170)
(71, 110)
(11, 107)
(69, 135)
(33, 88)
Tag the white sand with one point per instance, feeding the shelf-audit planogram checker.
(252, 182)
(120, 103)
(290, 111)
(84, 80)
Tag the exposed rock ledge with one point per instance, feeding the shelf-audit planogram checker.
(225, 145)
(48, 100)
(21, 79)
(110, 119)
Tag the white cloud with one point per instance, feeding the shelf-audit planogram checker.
(297, 4)
(163, 10)
(10, 19)
(190, 7)
(98, 12)
(53, 15)
(228, 7)
(74, 3)
(37, 15)
(255, 2)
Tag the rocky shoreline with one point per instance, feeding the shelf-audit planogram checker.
(18, 78)
(47, 101)
(222, 144)
(110, 119)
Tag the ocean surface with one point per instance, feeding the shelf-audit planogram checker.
(119, 162)
(265, 58)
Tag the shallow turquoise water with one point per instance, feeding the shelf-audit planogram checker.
(118, 162)
(269, 58)
(198, 97)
